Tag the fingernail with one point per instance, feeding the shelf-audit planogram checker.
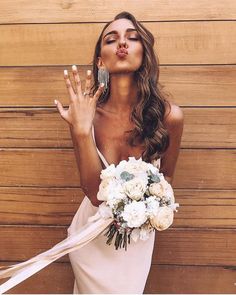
(89, 72)
(65, 72)
(102, 84)
(74, 68)
(55, 101)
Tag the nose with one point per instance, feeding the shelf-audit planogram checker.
(122, 43)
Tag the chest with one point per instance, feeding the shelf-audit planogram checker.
(111, 140)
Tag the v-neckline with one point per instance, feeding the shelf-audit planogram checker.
(106, 164)
(100, 154)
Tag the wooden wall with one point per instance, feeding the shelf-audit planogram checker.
(39, 181)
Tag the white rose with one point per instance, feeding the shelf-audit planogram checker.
(151, 167)
(105, 211)
(116, 195)
(110, 171)
(132, 166)
(135, 214)
(135, 188)
(163, 219)
(105, 188)
(152, 206)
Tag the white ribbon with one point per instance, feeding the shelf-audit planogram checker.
(21, 271)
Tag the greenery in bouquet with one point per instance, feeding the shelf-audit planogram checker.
(139, 199)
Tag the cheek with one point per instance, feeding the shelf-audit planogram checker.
(107, 53)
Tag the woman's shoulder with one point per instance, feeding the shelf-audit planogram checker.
(173, 113)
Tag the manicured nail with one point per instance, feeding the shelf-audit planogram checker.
(74, 68)
(65, 72)
(55, 101)
(89, 72)
(102, 84)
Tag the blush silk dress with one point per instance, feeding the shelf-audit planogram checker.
(99, 267)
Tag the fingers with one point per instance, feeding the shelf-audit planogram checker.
(77, 80)
(69, 85)
(88, 81)
(99, 91)
(61, 110)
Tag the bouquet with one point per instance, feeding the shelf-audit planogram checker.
(138, 198)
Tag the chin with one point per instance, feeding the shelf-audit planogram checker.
(124, 70)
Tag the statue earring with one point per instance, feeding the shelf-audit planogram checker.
(103, 77)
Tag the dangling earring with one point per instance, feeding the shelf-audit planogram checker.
(103, 77)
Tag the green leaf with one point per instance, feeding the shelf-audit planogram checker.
(126, 176)
(153, 177)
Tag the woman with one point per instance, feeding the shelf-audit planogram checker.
(124, 114)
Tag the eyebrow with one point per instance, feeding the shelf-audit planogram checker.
(115, 32)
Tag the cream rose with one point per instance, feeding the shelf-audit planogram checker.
(162, 188)
(135, 188)
(163, 219)
(105, 187)
(133, 166)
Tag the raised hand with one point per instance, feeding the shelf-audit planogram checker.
(82, 107)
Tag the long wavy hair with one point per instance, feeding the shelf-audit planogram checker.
(148, 113)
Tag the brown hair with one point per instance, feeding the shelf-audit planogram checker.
(148, 113)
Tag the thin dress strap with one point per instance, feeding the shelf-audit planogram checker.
(99, 153)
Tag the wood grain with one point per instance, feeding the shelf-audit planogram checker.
(215, 247)
(146, 10)
(57, 206)
(44, 127)
(185, 85)
(177, 43)
(163, 279)
(19, 168)
(176, 279)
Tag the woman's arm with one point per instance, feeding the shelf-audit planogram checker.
(174, 123)
(89, 165)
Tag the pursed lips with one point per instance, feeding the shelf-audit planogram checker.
(121, 52)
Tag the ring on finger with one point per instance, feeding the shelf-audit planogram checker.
(87, 93)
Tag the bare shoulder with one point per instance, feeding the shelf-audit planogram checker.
(174, 115)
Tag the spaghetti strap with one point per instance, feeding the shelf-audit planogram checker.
(156, 162)
(99, 153)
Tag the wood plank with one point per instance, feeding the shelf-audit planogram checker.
(202, 42)
(54, 206)
(25, 11)
(187, 86)
(201, 168)
(57, 278)
(205, 126)
(175, 279)
(200, 85)
(205, 209)
(19, 168)
(181, 246)
(44, 127)
(45, 206)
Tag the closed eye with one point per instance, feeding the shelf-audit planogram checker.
(131, 38)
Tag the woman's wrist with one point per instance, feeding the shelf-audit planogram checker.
(79, 133)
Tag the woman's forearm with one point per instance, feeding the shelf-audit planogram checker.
(89, 165)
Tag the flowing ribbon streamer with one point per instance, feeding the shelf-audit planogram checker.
(21, 271)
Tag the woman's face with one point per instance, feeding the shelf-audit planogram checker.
(121, 48)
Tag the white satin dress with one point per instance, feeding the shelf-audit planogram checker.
(101, 269)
